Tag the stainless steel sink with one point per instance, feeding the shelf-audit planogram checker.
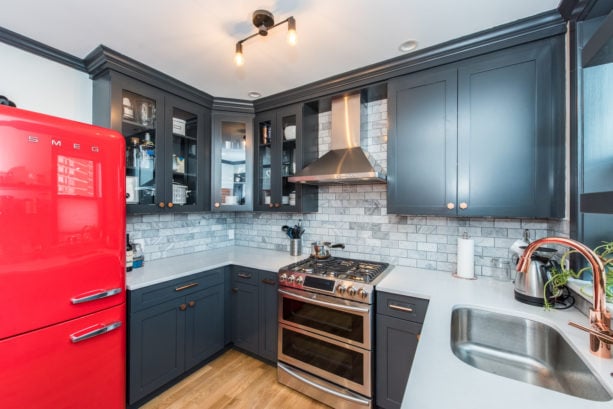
(524, 350)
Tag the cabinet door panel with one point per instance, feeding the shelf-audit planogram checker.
(506, 146)
(395, 350)
(422, 143)
(268, 315)
(205, 325)
(245, 316)
(156, 347)
(232, 186)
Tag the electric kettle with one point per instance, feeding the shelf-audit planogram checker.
(530, 287)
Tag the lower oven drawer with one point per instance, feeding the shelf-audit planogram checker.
(320, 389)
(340, 363)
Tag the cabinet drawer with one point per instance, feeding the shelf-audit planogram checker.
(401, 306)
(245, 275)
(159, 293)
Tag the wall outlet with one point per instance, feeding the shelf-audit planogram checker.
(230, 234)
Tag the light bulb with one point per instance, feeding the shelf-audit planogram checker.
(238, 57)
(291, 32)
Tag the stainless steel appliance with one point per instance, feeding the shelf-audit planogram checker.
(326, 329)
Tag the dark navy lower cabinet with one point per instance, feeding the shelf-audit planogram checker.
(172, 327)
(481, 137)
(254, 311)
(399, 321)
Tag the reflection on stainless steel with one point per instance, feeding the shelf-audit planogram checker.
(325, 329)
(600, 318)
(522, 349)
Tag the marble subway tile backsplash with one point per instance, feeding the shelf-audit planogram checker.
(355, 215)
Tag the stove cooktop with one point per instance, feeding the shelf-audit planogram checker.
(341, 277)
(341, 268)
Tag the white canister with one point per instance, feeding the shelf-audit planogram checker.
(292, 199)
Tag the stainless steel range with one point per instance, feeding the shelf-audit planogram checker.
(326, 327)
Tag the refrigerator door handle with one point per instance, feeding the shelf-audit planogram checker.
(95, 296)
(90, 333)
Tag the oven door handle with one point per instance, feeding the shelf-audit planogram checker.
(322, 388)
(325, 303)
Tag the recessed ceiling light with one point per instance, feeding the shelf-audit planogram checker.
(407, 46)
(254, 94)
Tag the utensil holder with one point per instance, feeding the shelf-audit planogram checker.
(295, 247)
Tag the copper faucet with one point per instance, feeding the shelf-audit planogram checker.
(600, 318)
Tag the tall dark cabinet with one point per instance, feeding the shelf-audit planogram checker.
(591, 78)
(481, 137)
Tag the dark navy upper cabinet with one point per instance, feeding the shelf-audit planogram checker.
(482, 137)
(422, 144)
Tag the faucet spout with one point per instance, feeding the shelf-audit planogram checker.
(600, 318)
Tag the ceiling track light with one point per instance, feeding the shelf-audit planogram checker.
(263, 20)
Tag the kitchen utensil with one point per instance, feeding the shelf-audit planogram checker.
(321, 249)
(295, 247)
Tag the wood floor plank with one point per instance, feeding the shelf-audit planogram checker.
(232, 381)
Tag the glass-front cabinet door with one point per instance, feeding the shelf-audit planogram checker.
(277, 156)
(185, 156)
(141, 127)
(232, 163)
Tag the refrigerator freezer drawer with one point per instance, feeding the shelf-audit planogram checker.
(75, 364)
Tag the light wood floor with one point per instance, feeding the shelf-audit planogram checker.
(234, 380)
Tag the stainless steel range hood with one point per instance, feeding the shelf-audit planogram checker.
(346, 162)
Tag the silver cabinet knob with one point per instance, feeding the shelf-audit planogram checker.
(463, 205)
(450, 206)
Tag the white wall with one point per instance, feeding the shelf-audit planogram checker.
(38, 84)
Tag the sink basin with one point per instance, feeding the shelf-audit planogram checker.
(524, 350)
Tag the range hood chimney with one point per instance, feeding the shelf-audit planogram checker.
(346, 162)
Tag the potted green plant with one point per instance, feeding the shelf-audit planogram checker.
(560, 276)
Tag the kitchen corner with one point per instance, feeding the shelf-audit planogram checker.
(438, 379)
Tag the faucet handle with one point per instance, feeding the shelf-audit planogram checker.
(604, 336)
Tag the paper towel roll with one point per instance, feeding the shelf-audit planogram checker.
(466, 258)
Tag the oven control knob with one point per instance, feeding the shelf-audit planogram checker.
(283, 277)
(351, 291)
(299, 280)
(362, 293)
(291, 279)
(341, 289)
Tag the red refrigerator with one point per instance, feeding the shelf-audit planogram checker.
(62, 263)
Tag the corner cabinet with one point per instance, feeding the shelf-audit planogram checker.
(232, 163)
(399, 321)
(483, 137)
(282, 148)
(254, 311)
(167, 149)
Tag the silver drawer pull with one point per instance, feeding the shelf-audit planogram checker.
(96, 296)
(94, 333)
(400, 308)
(186, 286)
(244, 275)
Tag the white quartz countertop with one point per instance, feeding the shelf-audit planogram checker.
(439, 379)
(158, 271)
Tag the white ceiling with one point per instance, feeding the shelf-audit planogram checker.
(194, 40)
